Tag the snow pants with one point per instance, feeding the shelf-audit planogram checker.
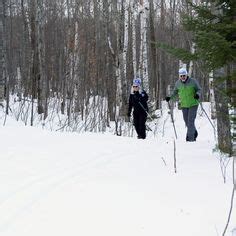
(139, 124)
(189, 115)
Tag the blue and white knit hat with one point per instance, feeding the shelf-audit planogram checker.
(137, 82)
(183, 71)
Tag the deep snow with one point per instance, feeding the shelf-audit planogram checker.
(59, 184)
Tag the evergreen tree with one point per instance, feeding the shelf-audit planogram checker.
(213, 27)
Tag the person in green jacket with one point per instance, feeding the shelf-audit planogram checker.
(189, 91)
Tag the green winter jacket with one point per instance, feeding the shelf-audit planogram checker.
(186, 92)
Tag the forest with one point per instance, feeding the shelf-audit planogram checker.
(79, 57)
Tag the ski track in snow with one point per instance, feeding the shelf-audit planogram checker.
(33, 191)
(29, 194)
(37, 167)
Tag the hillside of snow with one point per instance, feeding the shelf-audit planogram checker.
(91, 184)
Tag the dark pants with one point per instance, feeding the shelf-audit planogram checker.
(139, 124)
(189, 115)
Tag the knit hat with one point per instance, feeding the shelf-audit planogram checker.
(183, 71)
(137, 82)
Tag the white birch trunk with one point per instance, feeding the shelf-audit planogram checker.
(2, 52)
(212, 97)
(18, 79)
(118, 80)
(133, 19)
(190, 71)
(126, 31)
(143, 69)
(77, 84)
(120, 58)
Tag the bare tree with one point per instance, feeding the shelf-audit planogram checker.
(3, 55)
(82, 54)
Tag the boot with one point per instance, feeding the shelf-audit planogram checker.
(195, 135)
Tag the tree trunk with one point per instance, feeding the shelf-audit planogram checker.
(152, 55)
(222, 112)
(2, 50)
(41, 58)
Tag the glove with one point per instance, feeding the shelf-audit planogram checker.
(167, 99)
(196, 96)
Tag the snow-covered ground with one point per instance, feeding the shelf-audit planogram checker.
(69, 184)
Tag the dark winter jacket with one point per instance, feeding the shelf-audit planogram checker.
(138, 101)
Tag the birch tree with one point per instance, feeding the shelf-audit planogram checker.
(2, 50)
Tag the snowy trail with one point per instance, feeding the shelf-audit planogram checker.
(94, 184)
